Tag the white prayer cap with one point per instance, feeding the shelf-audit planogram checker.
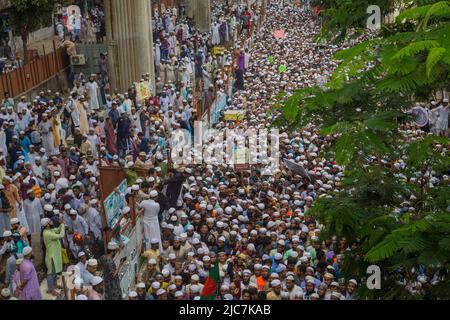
(153, 194)
(195, 288)
(195, 277)
(132, 294)
(246, 272)
(92, 262)
(152, 261)
(165, 273)
(228, 296)
(7, 233)
(96, 280)
(113, 245)
(5, 293)
(140, 285)
(14, 221)
(45, 222)
(160, 292)
(82, 297)
(275, 283)
(81, 254)
(26, 251)
(336, 294)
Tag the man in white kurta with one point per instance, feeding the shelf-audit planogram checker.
(150, 209)
(94, 140)
(94, 220)
(46, 129)
(75, 224)
(71, 108)
(33, 212)
(92, 90)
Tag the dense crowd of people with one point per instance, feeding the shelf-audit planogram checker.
(82, 25)
(255, 228)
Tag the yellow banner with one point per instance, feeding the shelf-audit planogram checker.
(218, 50)
(142, 91)
(234, 115)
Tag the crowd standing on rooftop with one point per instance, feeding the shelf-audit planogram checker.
(256, 227)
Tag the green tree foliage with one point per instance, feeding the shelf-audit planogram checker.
(395, 218)
(348, 17)
(28, 16)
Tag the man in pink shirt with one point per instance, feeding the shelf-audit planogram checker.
(96, 291)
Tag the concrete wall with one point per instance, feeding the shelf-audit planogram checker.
(36, 36)
(92, 54)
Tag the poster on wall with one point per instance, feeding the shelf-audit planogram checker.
(130, 253)
(114, 203)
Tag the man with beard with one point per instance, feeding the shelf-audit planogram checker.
(96, 291)
(275, 293)
(153, 252)
(310, 289)
(53, 258)
(29, 282)
(45, 127)
(351, 288)
(163, 202)
(95, 223)
(262, 281)
(147, 275)
(123, 133)
(174, 184)
(291, 288)
(75, 225)
(246, 282)
(178, 250)
(141, 292)
(33, 212)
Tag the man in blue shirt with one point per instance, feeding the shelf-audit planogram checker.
(24, 142)
(114, 114)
